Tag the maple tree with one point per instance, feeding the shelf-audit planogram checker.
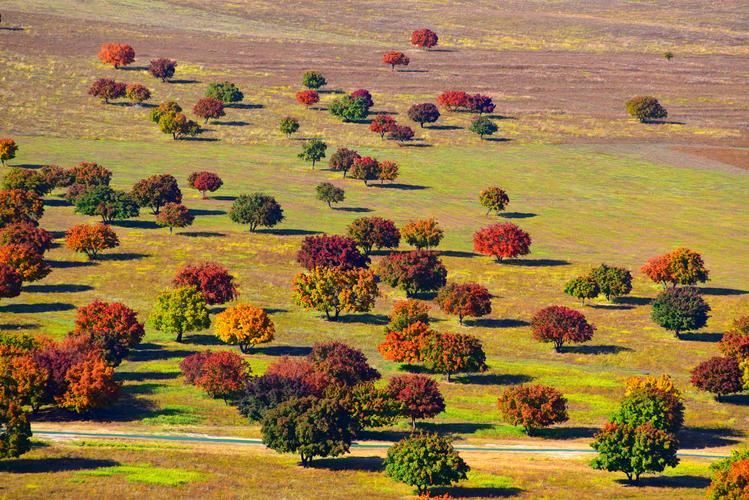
(413, 272)
(212, 280)
(395, 58)
(465, 300)
(560, 325)
(532, 406)
(335, 290)
(424, 38)
(111, 327)
(425, 233)
(419, 394)
(330, 251)
(24, 260)
(205, 182)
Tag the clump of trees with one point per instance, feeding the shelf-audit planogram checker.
(494, 199)
(424, 38)
(91, 239)
(313, 151)
(406, 344)
(225, 91)
(111, 327)
(679, 267)
(162, 68)
(425, 233)
(26, 180)
(734, 344)
(205, 182)
(116, 54)
(395, 58)
(256, 210)
(329, 193)
(533, 406)
(465, 300)
(349, 108)
(18, 205)
(245, 325)
(424, 113)
(364, 94)
(180, 310)
(374, 232)
(413, 272)
(504, 240)
(26, 234)
(646, 109)
(212, 280)
(680, 309)
(560, 325)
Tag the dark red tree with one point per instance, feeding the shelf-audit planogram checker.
(413, 272)
(162, 68)
(400, 133)
(465, 300)
(374, 232)
(560, 325)
(424, 38)
(364, 94)
(341, 363)
(156, 191)
(419, 394)
(721, 376)
(342, 160)
(424, 113)
(106, 89)
(382, 124)
(10, 282)
(480, 104)
(211, 279)
(208, 107)
(26, 233)
(330, 251)
(205, 182)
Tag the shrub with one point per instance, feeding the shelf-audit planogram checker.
(244, 324)
(175, 215)
(533, 406)
(27, 180)
(90, 174)
(225, 92)
(26, 233)
(612, 281)
(313, 80)
(17, 205)
(178, 125)
(208, 108)
(162, 68)
(424, 38)
(395, 58)
(106, 89)
(313, 151)
(452, 100)
(211, 279)
(465, 300)
(180, 310)
(423, 113)
(407, 312)
(425, 460)
(582, 288)
(680, 309)
(419, 394)
(407, 344)
(335, 289)
(734, 344)
(668, 55)
(329, 193)
(374, 232)
(425, 233)
(400, 133)
(341, 363)
(137, 93)
(116, 54)
(365, 168)
(342, 160)
(646, 108)
(482, 126)
(503, 240)
(15, 438)
(450, 353)
(257, 210)
(364, 94)
(717, 375)
(480, 104)
(330, 251)
(111, 327)
(413, 272)
(494, 199)
(382, 124)
(24, 260)
(107, 203)
(288, 126)
(560, 325)
(307, 97)
(349, 108)
(222, 375)
(8, 149)
(10, 282)
(156, 191)
(730, 476)
(91, 239)
(205, 182)
(165, 108)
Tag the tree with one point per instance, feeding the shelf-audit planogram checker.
(205, 182)
(480, 104)
(662, 408)
(56, 176)
(17, 205)
(342, 160)
(425, 233)
(261, 394)
(407, 344)
(116, 54)
(349, 108)
(634, 450)
(395, 58)
(28, 180)
(15, 430)
(424, 460)
(106, 89)
(680, 309)
(257, 210)
(682, 266)
(212, 280)
(730, 476)
(313, 80)
(307, 97)
(137, 93)
(8, 149)
(225, 92)
(336, 290)
(451, 353)
(465, 300)
(162, 68)
(309, 426)
(180, 310)
(156, 191)
(582, 288)
(91, 174)
(364, 94)
(175, 215)
(26, 233)
(494, 199)
(646, 109)
(406, 313)
(342, 364)
(452, 100)
(419, 394)
(111, 327)
(209, 107)
(10, 282)
(330, 251)
(90, 384)
(313, 382)
(424, 38)
(91, 239)
(503, 240)
(288, 126)
(734, 344)
(192, 366)
(313, 151)
(413, 272)
(382, 124)
(365, 168)
(612, 281)
(560, 325)
(720, 376)
(245, 325)
(24, 260)
(372, 407)
(374, 232)
(165, 108)
(533, 406)
(423, 113)
(388, 171)
(178, 125)
(483, 126)
(107, 203)
(668, 55)
(222, 374)
(329, 193)
(400, 133)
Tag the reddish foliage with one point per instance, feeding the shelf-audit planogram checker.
(468, 299)
(57, 358)
(364, 94)
(301, 371)
(90, 174)
(735, 342)
(211, 279)
(343, 159)
(559, 325)
(17, 205)
(407, 312)
(413, 272)
(90, 384)
(205, 182)
(25, 260)
(307, 97)
(192, 366)
(502, 240)
(222, 374)
(419, 394)
(365, 168)
(480, 104)
(718, 375)
(137, 93)
(424, 113)
(162, 68)
(110, 326)
(26, 233)
(91, 239)
(453, 100)
(732, 482)
(657, 269)
(106, 89)
(116, 54)
(330, 251)
(156, 191)
(395, 58)
(533, 406)
(174, 215)
(341, 363)
(400, 133)
(682, 266)
(405, 345)
(56, 176)
(382, 124)
(10, 282)
(374, 232)
(208, 108)
(424, 38)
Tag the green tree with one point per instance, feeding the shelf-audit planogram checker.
(313, 151)
(178, 125)
(680, 309)
(15, 430)
(373, 407)
(257, 210)
(582, 288)
(329, 193)
(425, 460)
(663, 409)
(349, 108)
(494, 199)
(612, 281)
(107, 203)
(313, 80)
(288, 126)
(180, 310)
(483, 126)
(225, 92)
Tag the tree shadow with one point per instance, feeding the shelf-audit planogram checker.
(501, 117)
(122, 256)
(201, 234)
(18, 326)
(424, 295)
(56, 203)
(146, 388)
(36, 308)
(518, 215)
(497, 323)
(154, 352)
(199, 139)
(330, 91)
(736, 399)
(635, 301)
(404, 187)
(411, 71)
(492, 379)
(722, 291)
(681, 481)
(708, 437)
(414, 145)
(664, 122)
(31, 166)
(700, 337)
(453, 427)
(445, 127)
(275, 310)
(243, 105)
(457, 253)
(536, 262)
(143, 376)
(183, 81)
(67, 264)
(233, 123)
(133, 68)
(199, 211)
(136, 224)
(418, 369)
(388, 113)
(352, 209)
(567, 432)
(12, 28)
(382, 435)
(203, 339)
(498, 139)
(224, 197)
(288, 232)
(363, 464)
(594, 349)
(283, 350)
(51, 465)
(361, 121)
(366, 318)
(476, 491)
(612, 307)
(63, 288)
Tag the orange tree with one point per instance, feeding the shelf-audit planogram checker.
(116, 54)
(17, 205)
(533, 406)
(406, 345)
(244, 324)
(110, 326)
(8, 148)
(450, 353)
(332, 289)
(466, 299)
(25, 260)
(91, 240)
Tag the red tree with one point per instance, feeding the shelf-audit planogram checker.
(502, 240)
(468, 299)
(364, 94)
(313, 381)
(452, 100)
(424, 38)
(208, 108)
(395, 59)
(374, 232)
(307, 97)
(533, 406)
(480, 104)
(405, 345)
(735, 342)
(212, 279)
(10, 282)
(342, 160)
(162, 68)
(26, 233)
(559, 324)
(116, 54)
(156, 191)
(17, 205)
(330, 251)
(110, 326)
(106, 89)
(192, 366)
(657, 269)
(205, 182)
(419, 394)
(341, 363)
(90, 174)
(223, 374)
(25, 260)
(718, 375)
(382, 124)
(400, 133)
(91, 240)
(365, 168)
(174, 215)
(453, 353)
(413, 272)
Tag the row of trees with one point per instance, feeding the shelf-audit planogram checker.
(119, 55)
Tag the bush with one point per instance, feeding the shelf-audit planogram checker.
(452, 100)
(257, 210)
(180, 310)
(413, 272)
(382, 124)
(225, 92)
(560, 325)
(116, 54)
(27, 180)
(388, 171)
(211, 279)
(28, 234)
(582, 288)
(137, 93)
(313, 151)
(374, 232)
(451, 353)
(162, 68)
(288, 126)
(17, 205)
(107, 203)
(482, 126)
(612, 281)
(680, 309)
(330, 251)
(335, 289)
(342, 364)
(156, 191)
(107, 89)
(419, 394)
(395, 58)
(425, 460)
(208, 108)
(8, 149)
(91, 239)
(365, 168)
(364, 94)
(349, 108)
(329, 193)
(175, 215)
(425, 233)
(25, 260)
(111, 327)
(503, 240)
(244, 324)
(307, 97)
(406, 313)
(15, 439)
(533, 406)
(407, 344)
(720, 376)
(424, 38)
(205, 182)
(165, 108)
(313, 80)
(646, 108)
(465, 300)
(342, 160)
(424, 113)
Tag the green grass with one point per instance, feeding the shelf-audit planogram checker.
(146, 473)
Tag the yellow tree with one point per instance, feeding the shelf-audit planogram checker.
(245, 325)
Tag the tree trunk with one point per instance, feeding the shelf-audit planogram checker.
(558, 346)
(179, 337)
(413, 424)
(460, 319)
(329, 205)
(448, 376)
(327, 314)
